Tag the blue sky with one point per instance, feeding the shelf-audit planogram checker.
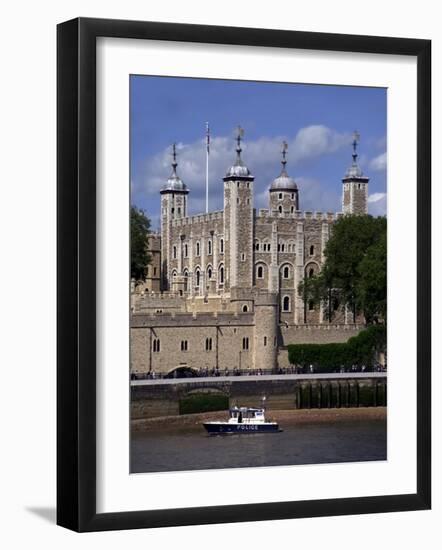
(316, 121)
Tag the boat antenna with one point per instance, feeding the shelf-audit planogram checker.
(263, 399)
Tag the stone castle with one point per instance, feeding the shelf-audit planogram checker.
(221, 288)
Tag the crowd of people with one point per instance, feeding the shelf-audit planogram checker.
(206, 372)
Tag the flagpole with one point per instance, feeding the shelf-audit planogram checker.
(207, 166)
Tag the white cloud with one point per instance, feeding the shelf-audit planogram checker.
(377, 204)
(262, 156)
(315, 141)
(379, 163)
(375, 197)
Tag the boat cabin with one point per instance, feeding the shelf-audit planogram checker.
(246, 415)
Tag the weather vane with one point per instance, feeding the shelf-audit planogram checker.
(174, 163)
(238, 140)
(356, 138)
(284, 153)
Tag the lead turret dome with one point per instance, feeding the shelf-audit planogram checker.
(239, 169)
(174, 183)
(284, 182)
(354, 170)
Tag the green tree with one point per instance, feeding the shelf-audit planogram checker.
(354, 270)
(371, 287)
(358, 350)
(139, 256)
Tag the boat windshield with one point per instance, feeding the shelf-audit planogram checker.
(246, 412)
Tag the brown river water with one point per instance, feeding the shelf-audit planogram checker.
(306, 443)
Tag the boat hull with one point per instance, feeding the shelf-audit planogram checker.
(221, 428)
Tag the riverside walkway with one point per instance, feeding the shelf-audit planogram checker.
(261, 378)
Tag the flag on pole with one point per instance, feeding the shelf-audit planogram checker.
(207, 165)
(208, 137)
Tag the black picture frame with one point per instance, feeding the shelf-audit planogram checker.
(76, 274)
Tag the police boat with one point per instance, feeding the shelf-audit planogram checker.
(242, 420)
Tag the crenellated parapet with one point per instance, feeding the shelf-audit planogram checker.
(198, 219)
(187, 320)
(298, 215)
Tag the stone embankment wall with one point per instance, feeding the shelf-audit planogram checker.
(334, 391)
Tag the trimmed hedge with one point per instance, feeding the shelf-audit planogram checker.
(358, 350)
(203, 402)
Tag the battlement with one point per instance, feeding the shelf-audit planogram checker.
(274, 215)
(198, 218)
(159, 302)
(327, 327)
(185, 319)
(161, 295)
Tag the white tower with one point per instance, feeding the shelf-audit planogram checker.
(355, 186)
(173, 206)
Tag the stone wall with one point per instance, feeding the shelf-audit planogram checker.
(223, 340)
(149, 401)
(197, 342)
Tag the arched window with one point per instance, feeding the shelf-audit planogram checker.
(209, 248)
(186, 251)
(311, 272)
(156, 345)
(209, 272)
(292, 209)
(198, 277)
(286, 272)
(221, 246)
(312, 250)
(208, 344)
(221, 275)
(280, 209)
(174, 252)
(198, 248)
(260, 272)
(311, 305)
(245, 308)
(280, 196)
(286, 303)
(184, 345)
(245, 344)
(174, 274)
(186, 279)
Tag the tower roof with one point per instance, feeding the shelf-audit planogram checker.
(174, 183)
(354, 170)
(283, 182)
(239, 169)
